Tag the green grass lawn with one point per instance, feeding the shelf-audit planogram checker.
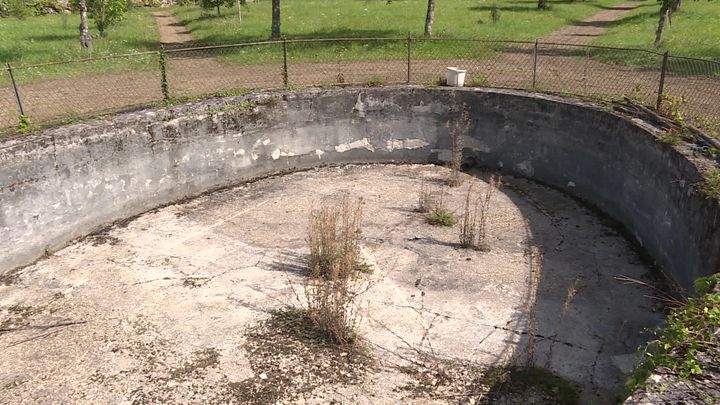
(37, 40)
(694, 32)
(695, 29)
(519, 19)
(56, 38)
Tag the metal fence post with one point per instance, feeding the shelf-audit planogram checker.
(661, 89)
(535, 49)
(286, 82)
(15, 90)
(409, 53)
(163, 74)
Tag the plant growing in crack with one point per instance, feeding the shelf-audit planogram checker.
(536, 263)
(457, 129)
(334, 233)
(428, 198)
(476, 213)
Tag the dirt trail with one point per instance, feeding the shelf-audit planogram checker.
(583, 32)
(171, 29)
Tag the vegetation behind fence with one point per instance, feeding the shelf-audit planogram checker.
(59, 92)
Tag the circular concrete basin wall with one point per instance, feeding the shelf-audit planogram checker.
(67, 182)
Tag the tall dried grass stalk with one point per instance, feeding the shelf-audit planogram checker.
(334, 233)
(474, 223)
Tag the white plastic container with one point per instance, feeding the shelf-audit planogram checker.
(455, 77)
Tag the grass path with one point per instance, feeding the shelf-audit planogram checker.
(585, 31)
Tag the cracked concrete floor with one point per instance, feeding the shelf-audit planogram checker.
(156, 309)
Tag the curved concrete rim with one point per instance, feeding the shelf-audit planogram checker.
(68, 182)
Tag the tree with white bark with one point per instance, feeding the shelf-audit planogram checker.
(667, 8)
(85, 38)
(429, 18)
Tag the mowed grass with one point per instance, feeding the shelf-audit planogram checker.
(37, 40)
(694, 32)
(519, 20)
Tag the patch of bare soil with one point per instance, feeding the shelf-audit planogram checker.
(291, 358)
(172, 31)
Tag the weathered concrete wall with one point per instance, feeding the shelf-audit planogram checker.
(67, 182)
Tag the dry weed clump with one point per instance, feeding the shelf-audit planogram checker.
(474, 222)
(331, 308)
(536, 262)
(457, 130)
(334, 233)
(334, 239)
(428, 198)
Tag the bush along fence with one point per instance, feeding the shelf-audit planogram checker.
(57, 92)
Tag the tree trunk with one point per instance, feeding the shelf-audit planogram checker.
(275, 19)
(218, 9)
(664, 11)
(542, 4)
(429, 17)
(239, 12)
(85, 38)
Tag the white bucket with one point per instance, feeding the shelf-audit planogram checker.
(455, 77)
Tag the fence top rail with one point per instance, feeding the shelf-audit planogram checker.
(208, 47)
(97, 58)
(706, 60)
(491, 40)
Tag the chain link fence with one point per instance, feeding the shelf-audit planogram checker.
(59, 92)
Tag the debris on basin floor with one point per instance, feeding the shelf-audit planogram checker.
(177, 305)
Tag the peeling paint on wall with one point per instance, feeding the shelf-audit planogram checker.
(409, 143)
(359, 144)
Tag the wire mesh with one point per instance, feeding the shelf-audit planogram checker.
(9, 112)
(85, 88)
(374, 61)
(692, 89)
(202, 71)
(504, 64)
(72, 90)
(593, 72)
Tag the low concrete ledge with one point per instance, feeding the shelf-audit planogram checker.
(67, 182)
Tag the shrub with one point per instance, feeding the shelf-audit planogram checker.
(107, 13)
(14, 8)
(43, 7)
(690, 330)
(25, 125)
(711, 185)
